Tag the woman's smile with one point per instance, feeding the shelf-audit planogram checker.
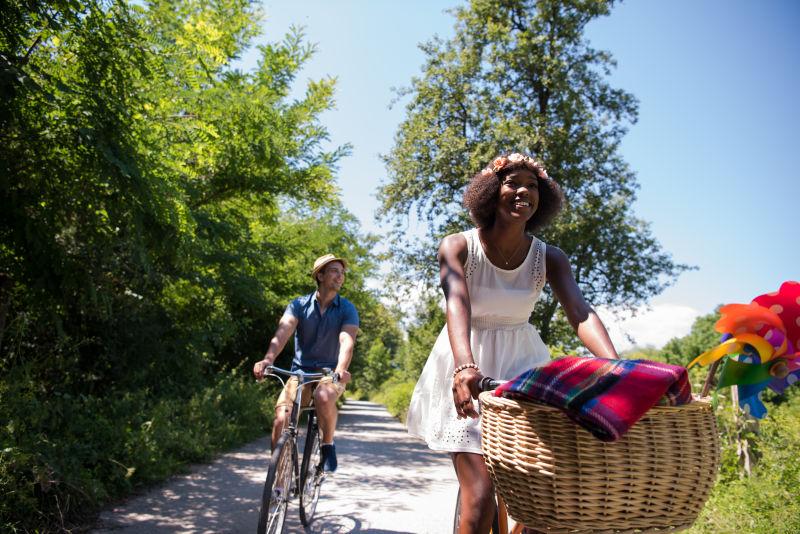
(519, 191)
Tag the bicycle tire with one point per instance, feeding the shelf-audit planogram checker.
(457, 514)
(311, 473)
(277, 488)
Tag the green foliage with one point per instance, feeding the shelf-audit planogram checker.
(158, 210)
(766, 501)
(396, 395)
(136, 199)
(519, 75)
(377, 367)
(62, 456)
(702, 337)
(681, 351)
(378, 345)
(430, 320)
(398, 385)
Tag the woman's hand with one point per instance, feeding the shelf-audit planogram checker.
(465, 388)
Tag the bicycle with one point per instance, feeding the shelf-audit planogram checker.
(500, 520)
(697, 426)
(285, 478)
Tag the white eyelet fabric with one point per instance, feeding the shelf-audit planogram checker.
(503, 344)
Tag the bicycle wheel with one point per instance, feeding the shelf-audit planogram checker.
(277, 488)
(457, 514)
(311, 473)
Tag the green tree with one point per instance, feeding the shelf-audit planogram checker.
(378, 346)
(701, 337)
(519, 75)
(376, 367)
(143, 172)
(422, 335)
(158, 210)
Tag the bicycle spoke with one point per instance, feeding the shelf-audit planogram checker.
(312, 475)
(457, 514)
(277, 489)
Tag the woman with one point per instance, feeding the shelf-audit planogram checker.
(491, 277)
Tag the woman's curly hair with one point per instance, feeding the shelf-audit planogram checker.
(481, 195)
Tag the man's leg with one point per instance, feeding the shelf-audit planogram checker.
(281, 420)
(325, 396)
(283, 408)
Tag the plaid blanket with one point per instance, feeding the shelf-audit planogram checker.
(606, 397)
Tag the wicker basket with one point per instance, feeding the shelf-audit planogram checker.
(556, 477)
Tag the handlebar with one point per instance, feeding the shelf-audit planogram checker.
(488, 383)
(271, 369)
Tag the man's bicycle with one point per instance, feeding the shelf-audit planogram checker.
(288, 477)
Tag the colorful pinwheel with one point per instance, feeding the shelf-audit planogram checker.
(760, 346)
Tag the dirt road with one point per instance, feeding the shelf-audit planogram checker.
(387, 483)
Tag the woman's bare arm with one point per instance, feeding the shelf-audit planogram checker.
(452, 257)
(581, 316)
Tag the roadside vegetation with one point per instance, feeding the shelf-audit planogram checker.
(158, 210)
(756, 490)
(160, 207)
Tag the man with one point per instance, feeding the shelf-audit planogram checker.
(325, 326)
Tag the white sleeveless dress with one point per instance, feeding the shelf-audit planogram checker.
(503, 345)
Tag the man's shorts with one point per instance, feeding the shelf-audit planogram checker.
(289, 393)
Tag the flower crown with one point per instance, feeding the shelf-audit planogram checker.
(516, 160)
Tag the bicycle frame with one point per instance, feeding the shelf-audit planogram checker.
(295, 482)
(297, 410)
(500, 519)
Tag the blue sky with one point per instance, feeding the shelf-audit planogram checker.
(714, 148)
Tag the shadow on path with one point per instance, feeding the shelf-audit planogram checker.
(387, 483)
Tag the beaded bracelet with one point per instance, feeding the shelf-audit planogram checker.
(466, 366)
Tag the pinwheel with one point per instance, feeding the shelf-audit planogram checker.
(760, 346)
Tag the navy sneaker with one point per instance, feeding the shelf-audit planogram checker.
(329, 462)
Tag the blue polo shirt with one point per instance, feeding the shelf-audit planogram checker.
(316, 339)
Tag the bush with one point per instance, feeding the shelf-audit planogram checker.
(62, 456)
(766, 501)
(396, 396)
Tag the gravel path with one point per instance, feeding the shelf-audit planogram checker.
(387, 483)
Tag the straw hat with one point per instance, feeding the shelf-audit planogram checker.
(322, 261)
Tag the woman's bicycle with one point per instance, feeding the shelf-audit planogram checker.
(287, 476)
(554, 475)
(500, 523)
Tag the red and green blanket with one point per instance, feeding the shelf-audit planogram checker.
(606, 397)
